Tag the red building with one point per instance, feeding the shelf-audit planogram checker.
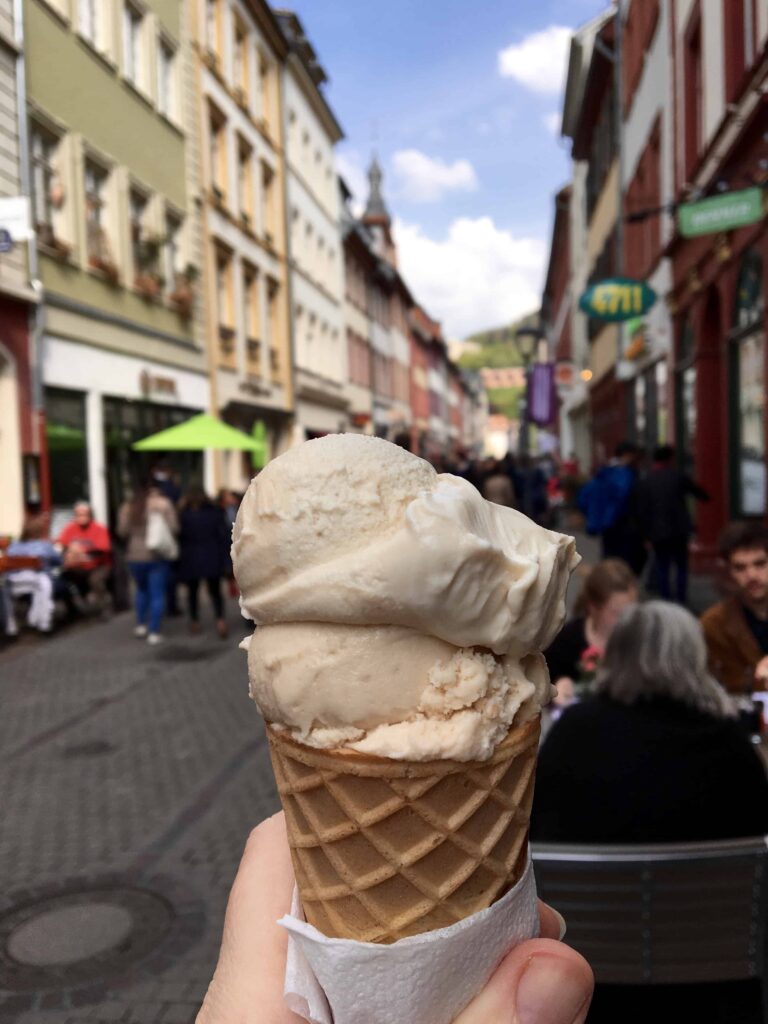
(720, 279)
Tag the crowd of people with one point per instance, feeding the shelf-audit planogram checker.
(166, 539)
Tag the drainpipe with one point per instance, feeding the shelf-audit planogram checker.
(37, 310)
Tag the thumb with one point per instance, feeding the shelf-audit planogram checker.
(538, 982)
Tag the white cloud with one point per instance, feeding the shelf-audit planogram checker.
(539, 61)
(552, 121)
(349, 165)
(422, 179)
(478, 276)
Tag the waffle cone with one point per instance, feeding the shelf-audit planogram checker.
(383, 849)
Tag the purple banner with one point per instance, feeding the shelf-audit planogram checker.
(541, 403)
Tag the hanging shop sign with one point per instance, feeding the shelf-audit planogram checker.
(541, 402)
(617, 298)
(720, 213)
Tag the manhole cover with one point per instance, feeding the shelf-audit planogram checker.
(78, 937)
(91, 748)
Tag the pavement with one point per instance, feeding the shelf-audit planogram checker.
(131, 778)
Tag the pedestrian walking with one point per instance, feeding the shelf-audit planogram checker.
(609, 502)
(149, 524)
(204, 540)
(662, 506)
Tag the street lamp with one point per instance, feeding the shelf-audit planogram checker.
(526, 340)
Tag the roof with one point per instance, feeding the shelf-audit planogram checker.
(579, 60)
(300, 47)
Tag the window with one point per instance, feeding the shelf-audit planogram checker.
(172, 250)
(240, 64)
(166, 85)
(99, 254)
(213, 26)
(273, 317)
(268, 203)
(739, 39)
(265, 88)
(748, 378)
(132, 35)
(87, 19)
(217, 137)
(251, 317)
(694, 114)
(137, 204)
(602, 150)
(643, 237)
(46, 189)
(245, 181)
(225, 307)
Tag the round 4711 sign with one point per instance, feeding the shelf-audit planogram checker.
(617, 298)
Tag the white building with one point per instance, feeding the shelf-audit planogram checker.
(314, 240)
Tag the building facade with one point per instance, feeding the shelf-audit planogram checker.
(21, 441)
(240, 51)
(314, 242)
(121, 346)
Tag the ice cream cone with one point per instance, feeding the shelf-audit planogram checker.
(383, 849)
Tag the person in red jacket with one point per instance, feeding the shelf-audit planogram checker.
(87, 556)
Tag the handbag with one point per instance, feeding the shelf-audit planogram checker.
(160, 540)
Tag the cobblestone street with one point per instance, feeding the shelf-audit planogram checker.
(131, 777)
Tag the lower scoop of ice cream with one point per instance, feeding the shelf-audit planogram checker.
(391, 691)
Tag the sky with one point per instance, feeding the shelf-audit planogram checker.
(461, 101)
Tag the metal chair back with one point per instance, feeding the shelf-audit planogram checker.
(688, 912)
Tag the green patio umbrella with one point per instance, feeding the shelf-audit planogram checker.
(259, 454)
(201, 432)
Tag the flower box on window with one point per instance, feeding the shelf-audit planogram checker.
(149, 285)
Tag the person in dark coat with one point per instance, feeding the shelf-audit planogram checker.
(203, 549)
(655, 756)
(662, 503)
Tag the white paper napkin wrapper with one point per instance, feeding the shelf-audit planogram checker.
(423, 979)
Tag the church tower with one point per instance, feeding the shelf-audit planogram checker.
(376, 215)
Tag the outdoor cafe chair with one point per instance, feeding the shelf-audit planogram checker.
(656, 914)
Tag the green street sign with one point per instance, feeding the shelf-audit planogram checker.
(720, 213)
(617, 299)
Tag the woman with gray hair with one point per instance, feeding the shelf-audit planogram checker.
(656, 754)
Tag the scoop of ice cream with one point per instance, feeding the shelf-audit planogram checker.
(390, 691)
(354, 530)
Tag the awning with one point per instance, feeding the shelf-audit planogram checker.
(197, 434)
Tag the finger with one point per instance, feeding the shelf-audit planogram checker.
(247, 985)
(552, 922)
(539, 982)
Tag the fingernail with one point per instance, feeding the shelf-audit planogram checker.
(561, 924)
(546, 994)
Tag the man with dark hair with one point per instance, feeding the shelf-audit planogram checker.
(87, 556)
(736, 629)
(662, 509)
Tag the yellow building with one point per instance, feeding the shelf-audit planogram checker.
(239, 50)
(110, 103)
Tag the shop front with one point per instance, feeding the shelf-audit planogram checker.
(97, 404)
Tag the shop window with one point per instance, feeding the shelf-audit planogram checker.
(166, 79)
(748, 390)
(65, 425)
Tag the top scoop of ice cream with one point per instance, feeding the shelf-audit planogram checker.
(354, 530)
